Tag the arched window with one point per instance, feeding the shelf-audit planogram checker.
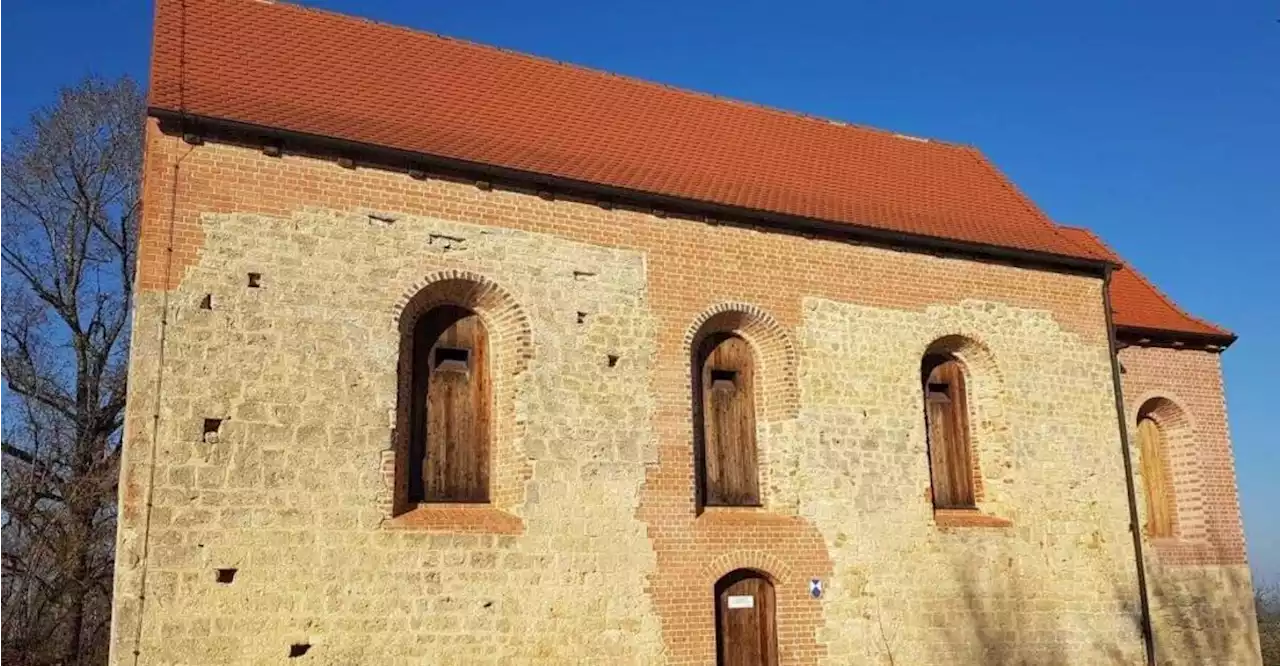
(725, 421)
(947, 427)
(1155, 478)
(449, 408)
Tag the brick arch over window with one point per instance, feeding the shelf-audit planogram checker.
(695, 549)
(977, 358)
(510, 344)
(744, 349)
(777, 389)
(984, 398)
(1164, 441)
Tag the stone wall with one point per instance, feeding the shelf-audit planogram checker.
(302, 372)
(1056, 586)
(597, 553)
(1198, 580)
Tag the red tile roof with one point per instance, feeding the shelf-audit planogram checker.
(1136, 303)
(315, 72)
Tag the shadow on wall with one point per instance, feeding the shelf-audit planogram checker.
(1204, 617)
(996, 613)
(1004, 618)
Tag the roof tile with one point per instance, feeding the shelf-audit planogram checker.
(304, 70)
(1136, 302)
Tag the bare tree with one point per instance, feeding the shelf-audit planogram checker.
(70, 193)
(1267, 600)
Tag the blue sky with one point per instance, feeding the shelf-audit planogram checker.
(1156, 124)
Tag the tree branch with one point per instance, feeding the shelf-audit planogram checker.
(11, 450)
(70, 190)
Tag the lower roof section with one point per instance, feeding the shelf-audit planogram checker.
(1144, 314)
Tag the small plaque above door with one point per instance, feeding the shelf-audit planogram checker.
(742, 601)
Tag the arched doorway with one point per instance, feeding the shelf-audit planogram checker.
(746, 633)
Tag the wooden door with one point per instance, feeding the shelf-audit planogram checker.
(727, 386)
(950, 461)
(1155, 479)
(453, 421)
(746, 634)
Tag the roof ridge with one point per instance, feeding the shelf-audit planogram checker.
(835, 122)
(1124, 265)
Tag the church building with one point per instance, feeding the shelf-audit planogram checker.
(446, 354)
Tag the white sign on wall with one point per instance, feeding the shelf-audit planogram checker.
(742, 601)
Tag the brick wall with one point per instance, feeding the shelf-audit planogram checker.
(594, 549)
(1199, 581)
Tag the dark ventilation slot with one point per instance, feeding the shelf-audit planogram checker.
(613, 360)
(226, 576)
(451, 359)
(724, 380)
(298, 649)
(582, 317)
(255, 280)
(210, 431)
(206, 303)
(446, 242)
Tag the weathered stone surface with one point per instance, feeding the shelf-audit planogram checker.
(302, 370)
(1058, 586)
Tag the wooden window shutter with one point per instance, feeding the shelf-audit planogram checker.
(725, 407)
(1155, 479)
(947, 427)
(450, 420)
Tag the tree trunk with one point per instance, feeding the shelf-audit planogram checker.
(71, 183)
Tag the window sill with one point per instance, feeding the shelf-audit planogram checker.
(457, 519)
(730, 508)
(740, 516)
(968, 518)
